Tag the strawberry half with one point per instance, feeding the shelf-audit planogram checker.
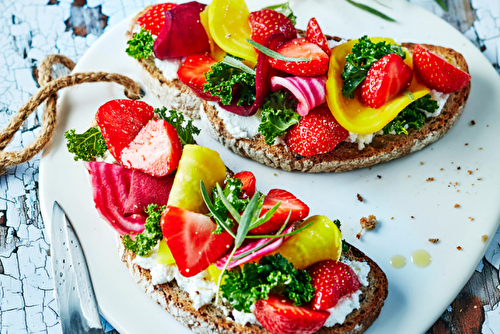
(288, 203)
(156, 150)
(302, 48)
(332, 280)
(437, 73)
(266, 22)
(386, 78)
(248, 180)
(189, 237)
(316, 133)
(315, 34)
(154, 19)
(279, 316)
(192, 74)
(120, 121)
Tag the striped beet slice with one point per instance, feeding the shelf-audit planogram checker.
(111, 187)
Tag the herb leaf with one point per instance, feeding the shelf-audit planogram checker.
(222, 78)
(86, 146)
(371, 10)
(232, 192)
(285, 9)
(141, 45)
(442, 4)
(272, 53)
(277, 115)
(364, 54)
(412, 116)
(152, 233)
(273, 274)
(176, 119)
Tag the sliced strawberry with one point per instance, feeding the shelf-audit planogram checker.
(266, 22)
(317, 133)
(332, 280)
(156, 150)
(248, 180)
(288, 203)
(154, 19)
(437, 73)
(315, 34)
(279, 316)
(301, 48)
(189, 237)
(192, 73)
(120, 121)
(386, 78)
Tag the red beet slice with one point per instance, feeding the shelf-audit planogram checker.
(182, 34)
(146, 189)
(111, 186)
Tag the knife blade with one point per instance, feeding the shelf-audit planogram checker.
(78, 312)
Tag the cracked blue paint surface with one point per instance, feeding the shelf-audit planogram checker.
(32, 29)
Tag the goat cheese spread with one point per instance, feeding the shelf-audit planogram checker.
(169, 67)
(238, 126)
(202, 290)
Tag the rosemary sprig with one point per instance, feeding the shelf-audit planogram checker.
(371, 10)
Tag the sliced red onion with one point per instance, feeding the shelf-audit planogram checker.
(309, 91)
(250, 244)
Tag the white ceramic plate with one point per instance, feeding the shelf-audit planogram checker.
(410, 209)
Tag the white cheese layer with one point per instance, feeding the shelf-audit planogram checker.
(238, 126)
(169, 67)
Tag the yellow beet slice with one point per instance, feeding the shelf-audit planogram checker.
(164, 255)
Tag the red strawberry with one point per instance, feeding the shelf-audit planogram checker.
(192, 73)
(248, 180)
(154, 19)
(279, 316)
(288, 203)
(189, 237)
(332, 280)
(437, 73)
(386, 78)
(266, 22)
(315, 35)
(301, 48)
(156, 150)
(120, 121)
(316, 133)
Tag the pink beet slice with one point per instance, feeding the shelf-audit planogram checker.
(111, 186)
(146, 189)
(182, 34)
(309, 91)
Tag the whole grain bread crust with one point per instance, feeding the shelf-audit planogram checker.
(210, 319)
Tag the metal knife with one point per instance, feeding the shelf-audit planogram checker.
(78, 311)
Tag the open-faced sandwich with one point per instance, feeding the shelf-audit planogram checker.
(210, 248)
(292, 99)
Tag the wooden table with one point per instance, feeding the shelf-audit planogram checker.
(33, 29)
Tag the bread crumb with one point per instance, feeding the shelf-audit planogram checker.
(457, 206)
(359, 197)
(466, 144)
(430, 179)
(473, 122)
(479, 178)
(369, 222)
(433, 240)
(379, 176)
(459, 168)
(369, 168)
(470, 172)
(459, 248)
(392, 218)
(412, 217)
(275, 174)
(442, 169)
(471, 219)
(408, 175)
(484, 238)
(480, 148)
(421, 162)
(358, 235)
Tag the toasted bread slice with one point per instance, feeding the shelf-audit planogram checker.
(346, 156)
(210, 319)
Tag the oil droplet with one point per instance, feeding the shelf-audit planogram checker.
(421, 258)
(398, 261)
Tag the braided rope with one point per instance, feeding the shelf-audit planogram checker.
(48, 94)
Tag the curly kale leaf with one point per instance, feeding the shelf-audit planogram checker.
(364, 54)
(413, 116)
(152, 233)
(141, 45)
(176, 119)
(285, 9)
(273, 274)
(233, 193)
(86, 146)
(277, 115)
(223, 79)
